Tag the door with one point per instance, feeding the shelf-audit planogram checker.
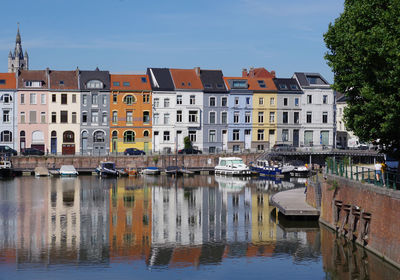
(224, 140)
(271, 138)
(68, 149)
(247, 139)
(156, 145)
(296, 138)
(180, 143)
(146, 147)
(54, 145)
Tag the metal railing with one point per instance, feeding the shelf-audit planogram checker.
(345, 169)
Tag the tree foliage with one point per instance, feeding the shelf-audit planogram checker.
(364, 54)
(188, 143)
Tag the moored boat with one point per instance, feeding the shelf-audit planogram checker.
(5, 169)
(107, 169)
(68, 170)
(232, 166)
(264, 168)
(152, 170)
(41, 171)
(131, 170)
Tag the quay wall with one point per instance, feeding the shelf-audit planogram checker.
(91, 162)
(364, 213)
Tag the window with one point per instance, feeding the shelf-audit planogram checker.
(68, 137)
(129, 136)
(22, 98)
(115, 98)
(192, 136)
(42, 117)
(146, 117)
(260, 147)
(74, 98)
(179, 100)
(212, 118)
(239, 84)
(22, 117)
(272, 101)
(99, 137)
(224, 101)
(193, 117)
(6, 136)
(224, 117)
(212, 136)
(32, 98)
(324, 138)
(146, 98)
(6, 116)
(43, 99)
(236, 117)
(94, 99)
(144, 80)
(73, 117)
(166, 136)
(114, 117)
(236, 101)
(32, 116)
(207, 86)
(309, 117)
(235, 135)
(294, 87)
(309, 99)
(126, 84)
(156, 102)
(261, 83)
(236, 148)
(271, 117)
(7, 98)
(247, 117)
(212, 102)
(33, 83)
(260, 135)
(64, 117)
(247, 100)
(84, 117)
(192, 100)
(156, 118)
(116, 84)
(104, 117)
(325, 99)
(296, 102)
(104, 99)
(63, 99)
(285, 117)
(129, 99)
(166, 102)
(285, 101)
(285, 135)
(179, 116)
(296, 117)
(260, 101)
(2, 82)
(146, 133)
(166, 118)
(95, 117)
(94, 84)
(260, 117)
(129, 117)
(84, 99)
(282, 86)
(325, 117)
(308, 138)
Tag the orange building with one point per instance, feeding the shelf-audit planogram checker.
(131, 113)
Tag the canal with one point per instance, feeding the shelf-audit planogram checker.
(201, 227)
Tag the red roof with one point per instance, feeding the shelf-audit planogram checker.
(7, 81)
(186, 79)
(130, 82)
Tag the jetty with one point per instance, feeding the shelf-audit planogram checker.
(293, 203)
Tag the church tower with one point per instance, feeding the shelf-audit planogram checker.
(18, 60)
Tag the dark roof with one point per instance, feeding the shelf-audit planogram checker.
(160, 79)
(86, 76)
(213, 81)
(340, 97)
(32, 75)
(287, 85)
(310, 79)
(63, 80)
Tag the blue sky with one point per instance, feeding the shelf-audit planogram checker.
(130, 35)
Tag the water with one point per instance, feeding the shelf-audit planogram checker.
(201, 227)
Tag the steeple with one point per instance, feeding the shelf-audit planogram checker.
(18, 60)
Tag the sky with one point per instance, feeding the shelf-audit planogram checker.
(127, 36)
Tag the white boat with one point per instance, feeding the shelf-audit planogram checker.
(151, 171)
(5, 168)
(231, 166)
(68, 170)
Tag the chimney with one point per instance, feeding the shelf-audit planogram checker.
(244, 72)
(197, 69)
(273, 74)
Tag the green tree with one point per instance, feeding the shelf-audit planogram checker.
(188, 143)
(364, 54)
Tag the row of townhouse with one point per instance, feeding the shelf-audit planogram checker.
(97, 113)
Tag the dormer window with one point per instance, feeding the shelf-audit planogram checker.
(33, 83)
(261, 83)
(116, 84)
(239, 84)
(294, 87)
(189, 84)
(126, 84)
(183, 84)
(283, 86)
(61, 82)
(207, 86)
(220, 86)
(144, 80)
(6, 98)
(94, 84)
(2, 82)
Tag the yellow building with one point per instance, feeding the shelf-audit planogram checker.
(262, 228)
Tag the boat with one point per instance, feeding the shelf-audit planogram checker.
(232, 166)
(5, 169)
(41, 171)
(68, 170)
(173, 170)
(131, 170)
(300, 169)
(287, 168)
(265, 168)
(107, 168)
(152, 170)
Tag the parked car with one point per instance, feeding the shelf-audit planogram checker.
(32, 152)
(133, 152)
(6, 150)
(283, 148)
(190, 151)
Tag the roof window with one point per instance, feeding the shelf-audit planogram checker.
(207, 86)
(294, 87)
(94, 84)
(33, 83)
(144, 80)
(116, 84)
(220, 86)
(261, 83)
(126, 84)
(61, 82)
(2, 82)
(282, 86)
(239, 84)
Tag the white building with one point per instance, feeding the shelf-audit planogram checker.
(8, 108)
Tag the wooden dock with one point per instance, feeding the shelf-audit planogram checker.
(293, 203)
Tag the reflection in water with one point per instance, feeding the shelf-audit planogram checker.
(157, 222)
